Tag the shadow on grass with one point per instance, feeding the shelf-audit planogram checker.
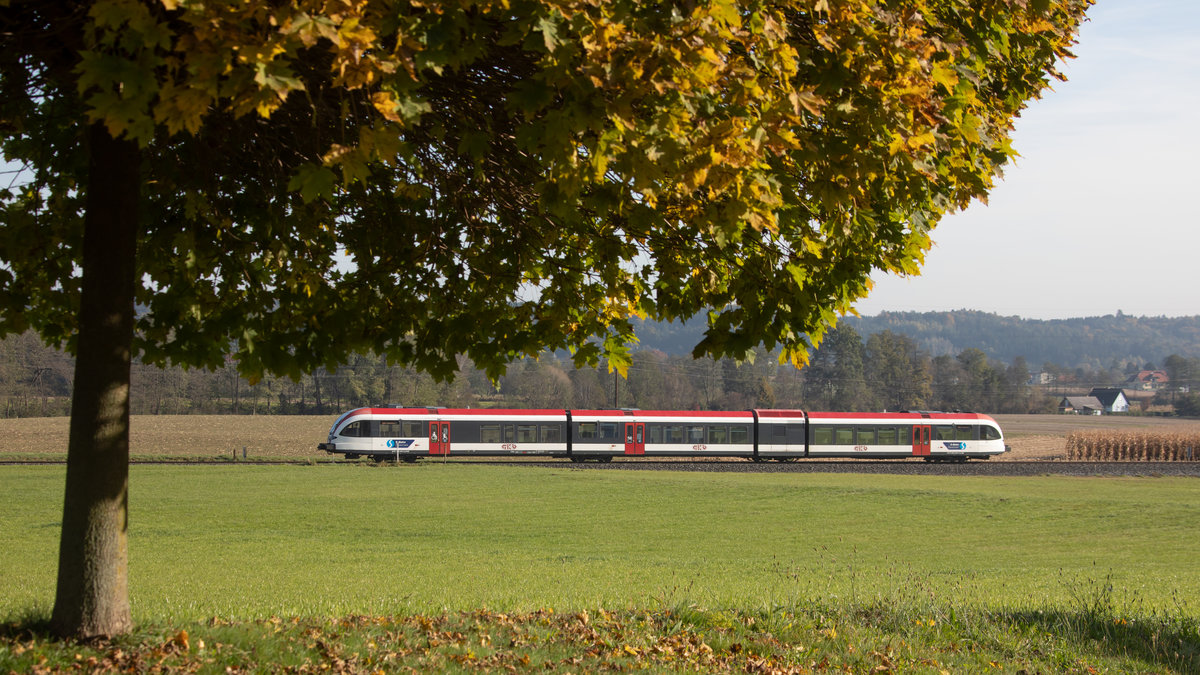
(27, 626)
(1168, 641)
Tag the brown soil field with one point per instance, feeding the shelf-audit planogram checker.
(289, 436)
(294, 436)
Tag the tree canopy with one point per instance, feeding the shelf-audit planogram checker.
(298, 181)
(550, 168)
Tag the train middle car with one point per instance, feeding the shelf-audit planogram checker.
(410, 433)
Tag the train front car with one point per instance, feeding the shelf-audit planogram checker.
(381, 433)
(963, 436)
(410, 433)
(932, 436)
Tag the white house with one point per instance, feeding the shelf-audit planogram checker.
(1113, 400)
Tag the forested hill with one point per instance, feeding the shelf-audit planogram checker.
(1089, 342)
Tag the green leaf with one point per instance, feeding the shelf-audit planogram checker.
(314, 182)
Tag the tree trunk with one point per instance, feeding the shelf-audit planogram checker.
(92, 596)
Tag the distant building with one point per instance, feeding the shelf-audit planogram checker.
(1041, 378)
(1080, 405)
(1113, 400)
(1149, 380)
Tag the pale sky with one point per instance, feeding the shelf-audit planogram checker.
(1100, 212)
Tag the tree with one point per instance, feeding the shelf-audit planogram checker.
(708, 379)
(543, 385)
(679, 393)
(1182, 371)
(835, 377)
(504, 178)
(591, 389)
(647, 380)
(1017, 394)
(1188, 405)
(947, 382)
(897, 371)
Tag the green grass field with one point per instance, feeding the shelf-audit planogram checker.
(1099, 572)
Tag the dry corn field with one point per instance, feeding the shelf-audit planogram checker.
(1120, 446)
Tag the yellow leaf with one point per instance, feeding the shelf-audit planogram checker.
(920, 140)
(944, 76)
(386, 105)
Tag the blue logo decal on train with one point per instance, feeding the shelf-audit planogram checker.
(956, 446)
(399, 443)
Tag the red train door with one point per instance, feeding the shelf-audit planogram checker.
(635, 438)
(439, 438)
(921, 441)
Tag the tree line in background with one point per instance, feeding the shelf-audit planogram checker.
(886, 371)
(1099, 343)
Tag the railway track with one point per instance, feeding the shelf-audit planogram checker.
(893, 467)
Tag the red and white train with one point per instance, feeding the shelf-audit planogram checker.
(580, 435)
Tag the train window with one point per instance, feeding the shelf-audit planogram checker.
(822, 435)
(508, 433)
(695, 434)
(739, 434)
(674, 433)
(489, 433)
(964, 432)
(844, 436)
(551, 433)
(608, 431)
(990, 433)
(866, 436)
(414, 429)
(587, 430)
(888, 436)
(779, 433)
(656, 433)
(796, 434)
(357, 430)
(389, 429)
(905, 436)
(943, 432)
(527, 433)
(718, 434)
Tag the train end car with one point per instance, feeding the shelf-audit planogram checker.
(932, 436)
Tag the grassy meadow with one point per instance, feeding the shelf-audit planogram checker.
(458, 567)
